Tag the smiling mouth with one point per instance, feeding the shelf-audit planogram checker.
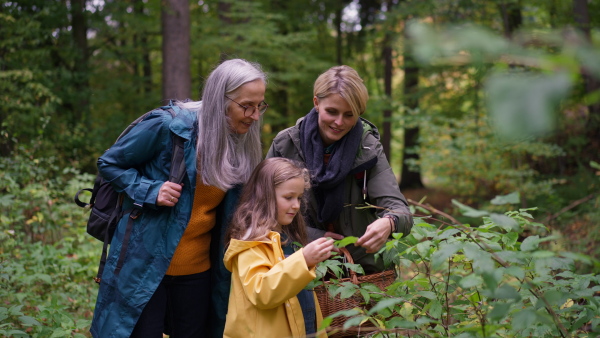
(335, 130)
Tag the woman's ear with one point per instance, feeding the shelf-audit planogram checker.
(316, 102)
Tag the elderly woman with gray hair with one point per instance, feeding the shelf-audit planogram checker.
(172, 277)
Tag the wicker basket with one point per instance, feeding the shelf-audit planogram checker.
(330, 305)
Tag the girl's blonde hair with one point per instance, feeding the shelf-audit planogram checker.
(256, 214)
(345, 81)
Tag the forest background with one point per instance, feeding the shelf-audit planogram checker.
(473, 98)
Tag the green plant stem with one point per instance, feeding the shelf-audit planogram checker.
(447, 300)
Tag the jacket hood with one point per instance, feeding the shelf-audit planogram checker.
(237, 246)
(182, 121)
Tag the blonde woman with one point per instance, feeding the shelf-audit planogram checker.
(348, 168)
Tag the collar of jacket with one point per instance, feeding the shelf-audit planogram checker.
(184, 123)
(236, 246)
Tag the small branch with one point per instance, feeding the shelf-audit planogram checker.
(568, 207)
(434, 210)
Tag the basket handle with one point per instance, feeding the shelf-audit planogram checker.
(346, 253)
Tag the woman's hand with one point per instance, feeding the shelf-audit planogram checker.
(376, 235)
(168, 194)
(317, 251)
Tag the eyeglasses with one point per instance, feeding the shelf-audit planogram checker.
(262, 108)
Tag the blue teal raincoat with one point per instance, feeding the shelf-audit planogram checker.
(138, 164)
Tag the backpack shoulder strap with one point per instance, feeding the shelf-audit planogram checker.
(177, 171)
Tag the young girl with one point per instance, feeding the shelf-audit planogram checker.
(267, 297)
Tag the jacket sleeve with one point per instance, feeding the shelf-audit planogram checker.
(384, 192)
(268, 285)
(134, 164)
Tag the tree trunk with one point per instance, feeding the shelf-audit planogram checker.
(582, 21)
(511, 17)
(176, 50)
(386, 139)
(142, 44)
(80, 69)
(338, 25)
(410, 179)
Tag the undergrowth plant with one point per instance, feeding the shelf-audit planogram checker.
(47, 260)
(459, 280)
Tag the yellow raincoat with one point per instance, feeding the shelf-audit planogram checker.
(264, 285)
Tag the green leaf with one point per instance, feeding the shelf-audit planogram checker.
(524, 104)
(436, 309)
(401, 323)
(385, 304)
(470, 281)
(515, 271)
(468, 211)
(512, 198)
(29, 321)
(347, 290)
(441, 255)
(426, 294)
(326, 322)
(505, 222)
(345, 241)
(499, 311)
(524, 319)
(506, 291)
(555, 297)
(530, 243)
(355, 321)
(365, 294)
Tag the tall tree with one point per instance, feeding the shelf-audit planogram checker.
(512, 16)
(387, 84)
(410, 178)
(582, 21)
(140, 41)
(80, 69)
(176, 49)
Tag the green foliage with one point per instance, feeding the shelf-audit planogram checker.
(483, 281)
(47, 261)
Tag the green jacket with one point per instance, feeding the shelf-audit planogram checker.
(382, 191)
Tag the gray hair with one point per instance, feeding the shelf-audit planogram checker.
(224, 157)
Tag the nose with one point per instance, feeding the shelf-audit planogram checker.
(296, 204)
(338, 120)
(255, 114)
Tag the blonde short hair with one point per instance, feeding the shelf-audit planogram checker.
(345, 81)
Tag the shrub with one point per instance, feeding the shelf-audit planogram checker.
(484, 281)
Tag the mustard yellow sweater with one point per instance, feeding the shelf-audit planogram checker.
(192, 253)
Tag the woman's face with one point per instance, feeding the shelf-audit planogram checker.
(250, 94)
(335, 118)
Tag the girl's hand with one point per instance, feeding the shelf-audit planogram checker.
(375, 235)
(317, 251)
(168, 194)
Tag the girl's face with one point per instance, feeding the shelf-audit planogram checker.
(288, 196)
(335, 118)
(249, 94)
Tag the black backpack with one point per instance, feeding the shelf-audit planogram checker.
(106, 204)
